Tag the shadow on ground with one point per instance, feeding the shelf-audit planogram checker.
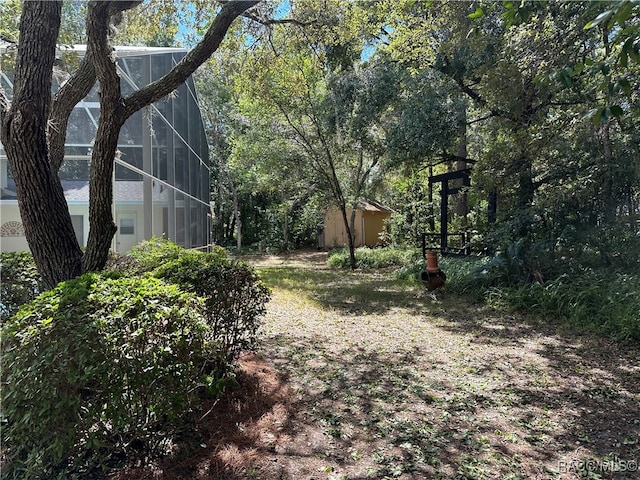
(470, 394)
(234, 436)
(516, 398)
(402, 415)
(594, 379)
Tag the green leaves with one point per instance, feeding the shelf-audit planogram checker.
(20, 282)
(479, 13)
(602, 115)
(623, 48)
(604, 16)
(9, 20)
(95, 369)
(630, 49)
(619, 14)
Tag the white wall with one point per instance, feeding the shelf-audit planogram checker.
(9, 213)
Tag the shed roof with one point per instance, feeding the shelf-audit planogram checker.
(373, 206)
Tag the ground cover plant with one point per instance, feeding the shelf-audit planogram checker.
(375, 257)
(588, 293)
(360, 376)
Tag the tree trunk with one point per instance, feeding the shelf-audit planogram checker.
(606, 181)
(432, 210)
(347, 226)
(462, 204)
(102, 227)
(526, 188)
(285, 228)
(526, 192)
(236, 218)
(41, 200)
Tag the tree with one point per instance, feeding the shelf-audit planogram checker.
(33, 127)
(329, 105)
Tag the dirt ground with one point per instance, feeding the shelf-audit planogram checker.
(357, 377)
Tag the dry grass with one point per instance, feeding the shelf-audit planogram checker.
(358, 378)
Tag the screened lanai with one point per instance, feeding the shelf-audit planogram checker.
(161, 178)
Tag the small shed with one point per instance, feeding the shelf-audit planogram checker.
(369, 225)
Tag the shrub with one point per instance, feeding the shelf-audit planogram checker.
(234, 297)
(97, 370)
(20, 282)
(459, 271)
(153, 253)
(597, 301)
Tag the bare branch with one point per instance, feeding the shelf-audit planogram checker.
(481, 119)
(5, 105)
(278, 21)
(7, 39)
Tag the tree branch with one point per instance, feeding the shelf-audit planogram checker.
(5, 104)
(278, 21)
(63, 103)
(7, 39)
(481, 119)
(191, 61)
(73, 91)
(101, 224)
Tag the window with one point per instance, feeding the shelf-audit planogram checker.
(126, 226)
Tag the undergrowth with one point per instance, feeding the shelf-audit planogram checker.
(593, 299)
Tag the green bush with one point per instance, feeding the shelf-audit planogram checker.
(153, 253)
(98, 370)
(20, 282)
(235, 299)
(459, 271)
(597, 301)
(234, 296)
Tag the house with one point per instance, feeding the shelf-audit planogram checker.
(161, 178)
(369, 225)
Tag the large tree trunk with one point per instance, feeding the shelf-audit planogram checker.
(112, 117)
(43, 208)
